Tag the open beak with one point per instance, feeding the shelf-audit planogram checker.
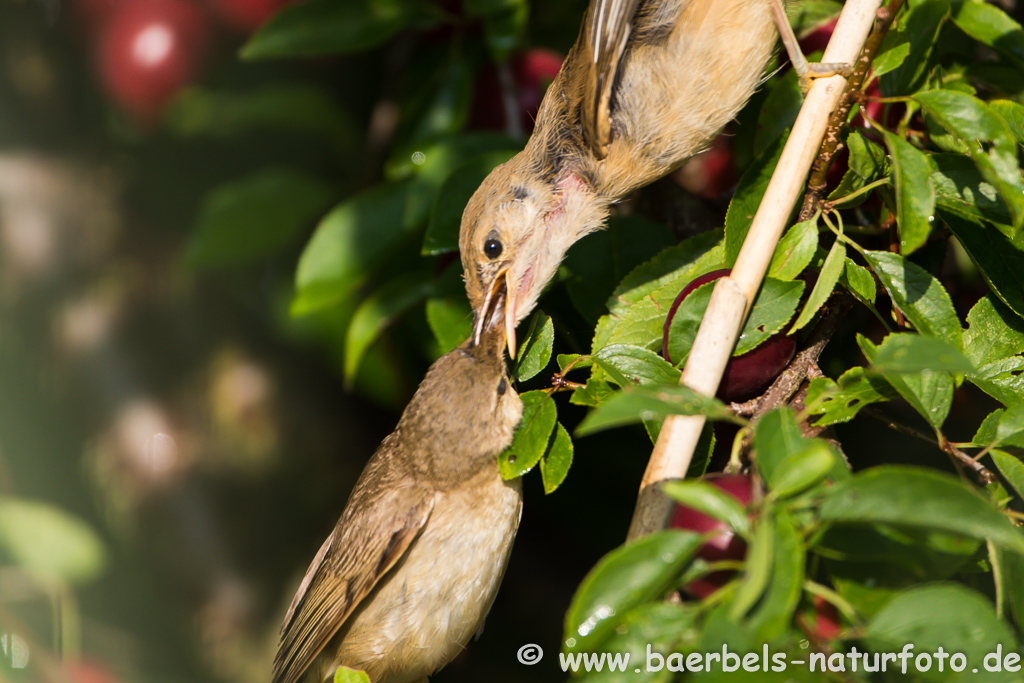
(497, 304)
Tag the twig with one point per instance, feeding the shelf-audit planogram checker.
(734, 294)
(985, 476)
(832, 144)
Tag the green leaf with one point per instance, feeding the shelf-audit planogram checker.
(49, 543)
(915, 196)
(1012, 113)
(803, 469)
(671, 266)
(535, 350)
(972, 122)
(795, 250)
(352, 241)
(757, 567)
(919, 295)
(377, 311)
(1011, 468)
(776, 437)
(1001, 262)
(930, 393)
(858, 280)
(557, 459)
(866, 158)
(840, 401)
(450, 319)
(773, 308)
(1002, 379)
(256, 216)
(709, 500)
(990, 25)
(596, 266)
(530, 442)
(593, 393)
(918, 497)
(624, 578)
(630, 406)
(952, 617)
(833, 267)
(654, 625)
(439, 104)
(961, 189)
(918, 29)
(446, 215)
(347, 675)
(504, 30)
(326, 27)
(748, 196)
(1010, 428)
(908, 352)
(637, 365)
(299, 107)
(774, 612)
(432, 163)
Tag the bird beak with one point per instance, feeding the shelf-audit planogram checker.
(498, 303)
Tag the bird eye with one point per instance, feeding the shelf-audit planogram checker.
(492, 248)
(502, 386)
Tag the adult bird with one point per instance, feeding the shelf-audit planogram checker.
(648, 84)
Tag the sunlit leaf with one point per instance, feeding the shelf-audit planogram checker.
(534, 352)
(557, 459)
(49, 543)
(532, 435)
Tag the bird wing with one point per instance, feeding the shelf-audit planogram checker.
(368, 541)
(605, 34)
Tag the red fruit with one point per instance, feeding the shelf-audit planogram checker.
(148, 50)
(246, 16)
(826, 619)
(816, 40)
(748, 375)
(88, 671)
(532, 73)
(724, 544)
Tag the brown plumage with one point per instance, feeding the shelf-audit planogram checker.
(415, 561)
(648, 84)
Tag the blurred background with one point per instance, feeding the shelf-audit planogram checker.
(187, 393)
(174, 444)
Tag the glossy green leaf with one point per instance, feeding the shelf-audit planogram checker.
(638, 365)
(631, 406)
(352, 241)
(671, 265)
(624, 578)
(446, 215)
(918, 497)
(929, 392)
(49, 543)
(989, 24)
(1011, 468)
(557, 459)
(1000, 260)
(377, 311)
(748, 196)
(326, 27)
(795, 251)
(918, 29)
(907, 352)
(450, 319)
(1012, 113)
(773, 308)
(972, 122)
(1002, 379)
(532, 436)
(948, 616)
(256, 216)
(347, 675)
(535, 348)
(867, 159)
(961, 189)
(915, 196)
(833, 267)
(919, 295)
(709, 500)
(1010, 428)
(858, 281)
(839, 401)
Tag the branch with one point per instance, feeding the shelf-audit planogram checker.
(734, 294)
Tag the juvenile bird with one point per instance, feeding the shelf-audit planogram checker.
(648, 84)
(415, 561)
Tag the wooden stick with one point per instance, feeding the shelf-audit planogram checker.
(733, 295)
